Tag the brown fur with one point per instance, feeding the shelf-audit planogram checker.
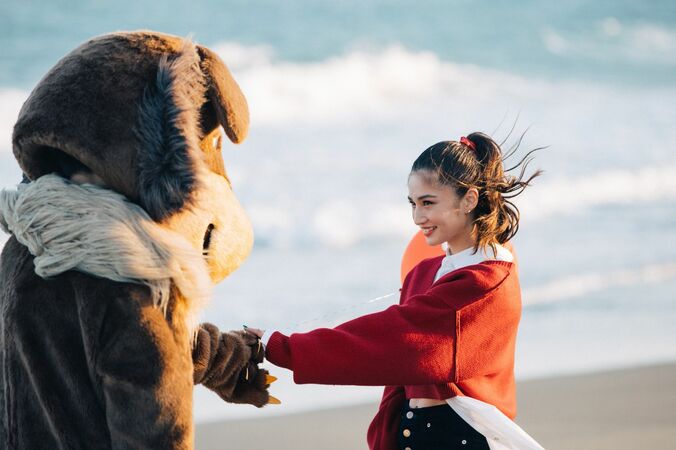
(83, 106)
(88, 362)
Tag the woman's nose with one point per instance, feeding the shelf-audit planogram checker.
(418, 217)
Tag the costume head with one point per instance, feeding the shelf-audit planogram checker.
(141, 113)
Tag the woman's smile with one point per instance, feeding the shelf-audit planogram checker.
(427, 231)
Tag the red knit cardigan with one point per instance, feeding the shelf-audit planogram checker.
(455, 336)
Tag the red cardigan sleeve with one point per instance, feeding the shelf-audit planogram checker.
(409, 344)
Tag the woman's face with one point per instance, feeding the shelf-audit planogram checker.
(439, 212)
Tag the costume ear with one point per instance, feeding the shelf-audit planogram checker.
(168, 151)
(225, 96)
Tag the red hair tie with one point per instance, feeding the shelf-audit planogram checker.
(467, 142)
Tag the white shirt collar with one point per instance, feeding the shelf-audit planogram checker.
(467, 257)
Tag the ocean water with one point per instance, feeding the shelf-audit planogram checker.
(344, 95)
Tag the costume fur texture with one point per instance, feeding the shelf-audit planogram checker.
(98, 231)
(133, 108)
(101, 285)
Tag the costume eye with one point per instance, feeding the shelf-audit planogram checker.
(207, 239)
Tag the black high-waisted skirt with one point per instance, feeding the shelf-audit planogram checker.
(437, 428)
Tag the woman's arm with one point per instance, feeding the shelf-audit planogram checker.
(424, 341)
(402, 345)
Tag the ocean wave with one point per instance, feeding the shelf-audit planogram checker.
(344, 222)
(574, 195)
(417, 87)
(393, 82)
(355, 84)
(407, 86)
(580, 285)
(339, 224)
(612, 39)
(334, 223)
(10, 104)
(642, 41)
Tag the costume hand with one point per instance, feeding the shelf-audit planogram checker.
(255, 331)
(227, 363)
(254, 343)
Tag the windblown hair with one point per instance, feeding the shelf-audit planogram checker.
(495, 218)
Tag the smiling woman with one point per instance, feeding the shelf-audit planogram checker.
(438, 211)
(460, 194)
(446, 352)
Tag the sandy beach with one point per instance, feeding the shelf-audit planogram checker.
(623, 409)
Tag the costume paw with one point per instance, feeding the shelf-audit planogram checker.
(253, 387)
(254, 343)
(227, 363)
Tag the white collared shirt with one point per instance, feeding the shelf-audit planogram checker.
(467, 257)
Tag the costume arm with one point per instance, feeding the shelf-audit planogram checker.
(145, 375)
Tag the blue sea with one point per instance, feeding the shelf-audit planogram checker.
(345, 94)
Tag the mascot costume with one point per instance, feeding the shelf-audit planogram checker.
(124, 220)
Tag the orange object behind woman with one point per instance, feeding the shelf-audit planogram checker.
(416, 251)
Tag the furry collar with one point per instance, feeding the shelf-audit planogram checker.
(97, 231)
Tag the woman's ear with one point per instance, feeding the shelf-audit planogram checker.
(224, 96)
(470, 200)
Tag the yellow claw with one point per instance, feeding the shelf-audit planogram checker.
(274, 401)
(269, 379)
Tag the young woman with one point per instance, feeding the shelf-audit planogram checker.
(445, 353)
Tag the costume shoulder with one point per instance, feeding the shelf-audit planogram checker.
(91, 299)
(16, 264)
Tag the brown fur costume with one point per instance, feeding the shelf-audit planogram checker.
(100, 284)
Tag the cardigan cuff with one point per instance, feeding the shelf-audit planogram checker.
(278, 350)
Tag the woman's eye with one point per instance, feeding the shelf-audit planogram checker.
(427, 203)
